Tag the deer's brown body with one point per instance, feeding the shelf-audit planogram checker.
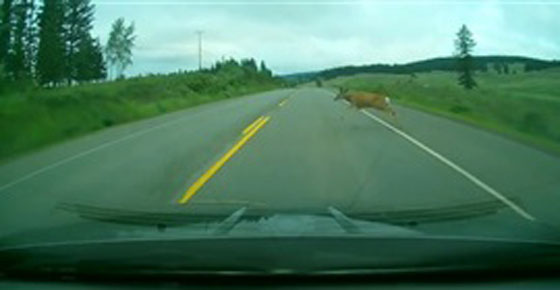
(367, 100)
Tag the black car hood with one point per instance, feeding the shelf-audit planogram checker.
(275, 244)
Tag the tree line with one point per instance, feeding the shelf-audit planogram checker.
(463, 62)
(247, 66)
(50, 42)
(480, 63)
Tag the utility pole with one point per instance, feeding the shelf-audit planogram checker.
(199, 32)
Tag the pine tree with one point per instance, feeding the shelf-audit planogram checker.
(464, 45)
(99, 68)
(16, 51)
(77, 26)
(51, 52)
(264, 70)
(30, 38)
(505, 68)
(249, 64)
(5, 30)
(22, 47)
(497, 67)
(89, 61)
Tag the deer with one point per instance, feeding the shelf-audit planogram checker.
(361, 100)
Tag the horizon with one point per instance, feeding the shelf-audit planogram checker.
(424, 59)
(296, 37)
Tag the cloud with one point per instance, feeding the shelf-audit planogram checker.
(291, 37)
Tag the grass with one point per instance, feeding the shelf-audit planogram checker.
(32, 117)
(525, 106)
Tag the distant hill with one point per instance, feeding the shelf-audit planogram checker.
(482, 63)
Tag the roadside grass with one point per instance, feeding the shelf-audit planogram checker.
(32, 117)
(524, 106)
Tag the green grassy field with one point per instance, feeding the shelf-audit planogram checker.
(525, 106)
(32, 117)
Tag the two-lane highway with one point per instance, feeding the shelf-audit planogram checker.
(138, 166)
(293, 151)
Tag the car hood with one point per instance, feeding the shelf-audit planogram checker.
(275, 244)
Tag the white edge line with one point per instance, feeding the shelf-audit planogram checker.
(455, 167)
(94, 149)
(84, 153)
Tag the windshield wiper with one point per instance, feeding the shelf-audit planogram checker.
(228, 224)
(344, 222)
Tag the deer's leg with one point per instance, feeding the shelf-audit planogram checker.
(394, 117)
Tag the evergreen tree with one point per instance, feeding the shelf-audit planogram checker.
(464, 45)
(505, 68)
(497, 67)
(16, 51)
(89, 61)
(264, 70)
(30, 38)
(5, 30)
(22, 47)
(249, 64)
(77, 26)
(51, 51)
(99, 67)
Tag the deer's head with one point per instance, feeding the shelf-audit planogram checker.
(341, 92)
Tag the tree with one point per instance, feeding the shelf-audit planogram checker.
(464, 45)
(30, 38)
(22, 47)
(249, 64)
(119, 46)
(77, 26)
(264, 70)
(51, 52)
(497, 67)
(16, 56)
(5, 30)
(99, 68)
(89, 61)
(505, 68)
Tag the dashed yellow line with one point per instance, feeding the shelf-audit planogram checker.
(191, 191)
(250, 127)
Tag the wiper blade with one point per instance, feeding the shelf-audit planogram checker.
(363, 226)
(228, 224)
(344, 222)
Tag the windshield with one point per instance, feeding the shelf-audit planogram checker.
(224, 120)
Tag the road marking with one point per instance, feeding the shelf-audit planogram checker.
(455, 167)
(283, 102)
(97, 148)
(250, 127)
(191, 191)
(87, 152)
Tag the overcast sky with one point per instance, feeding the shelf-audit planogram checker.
(296, 36)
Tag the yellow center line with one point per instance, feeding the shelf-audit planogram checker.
(283, 102)
(250, 127)
(191, 191)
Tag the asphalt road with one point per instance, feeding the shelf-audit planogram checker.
(311, 153)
